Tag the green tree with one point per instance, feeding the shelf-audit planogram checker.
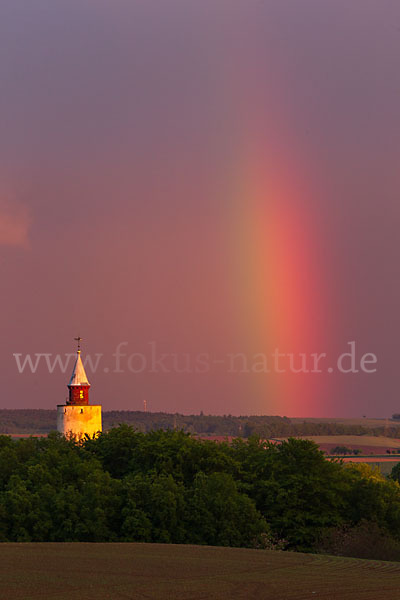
(218, 515)
(296, 489)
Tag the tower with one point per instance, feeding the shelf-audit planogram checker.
(77, 417)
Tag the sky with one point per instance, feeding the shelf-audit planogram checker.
(208, 193)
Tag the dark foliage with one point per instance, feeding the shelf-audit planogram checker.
(364, 540)
(167, 486)
(344, 450)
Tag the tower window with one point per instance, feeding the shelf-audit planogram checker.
(81, 410)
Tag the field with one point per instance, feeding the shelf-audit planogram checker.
(363, 440)
(369, 444)
(363, 421)
(156, 571)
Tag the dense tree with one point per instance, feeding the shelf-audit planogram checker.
(395, 474)
(219, 515)
(167, 486)
(372, 497)
(297, 490)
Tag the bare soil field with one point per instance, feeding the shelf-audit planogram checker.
(375, 444)
(364, 421)
(157, 571)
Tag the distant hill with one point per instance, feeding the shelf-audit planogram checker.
(40, 421)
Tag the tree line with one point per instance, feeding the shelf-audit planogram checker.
(167, 486)
(43, 421)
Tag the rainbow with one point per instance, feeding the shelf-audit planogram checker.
(280, 286)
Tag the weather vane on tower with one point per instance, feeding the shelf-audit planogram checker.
(78, 339)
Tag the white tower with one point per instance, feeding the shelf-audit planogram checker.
(77, 417)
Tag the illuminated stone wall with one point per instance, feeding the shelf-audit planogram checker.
(77, 420)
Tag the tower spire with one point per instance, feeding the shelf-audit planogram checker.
(78, 384)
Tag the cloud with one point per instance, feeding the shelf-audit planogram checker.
(14, 225)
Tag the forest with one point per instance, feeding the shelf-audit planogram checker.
(167, 486)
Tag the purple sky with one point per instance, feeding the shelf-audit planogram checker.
(124, 128)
